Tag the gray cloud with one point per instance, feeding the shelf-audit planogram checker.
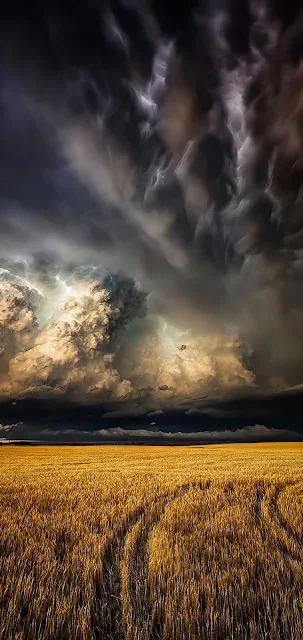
(245, 434)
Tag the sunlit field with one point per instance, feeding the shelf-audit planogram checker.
(142, 542)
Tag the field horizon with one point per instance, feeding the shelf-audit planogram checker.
(151, 542)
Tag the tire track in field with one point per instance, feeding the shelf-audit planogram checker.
(107, 622)
(282, 522)
(139, 618)
(108, 619)
(124, 608)
(287, 541)
(137, 606)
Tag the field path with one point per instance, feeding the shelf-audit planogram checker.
(125, 599)
(291, 545)
(134, 600)
(138, 611)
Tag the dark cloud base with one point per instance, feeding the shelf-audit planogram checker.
(229, 420)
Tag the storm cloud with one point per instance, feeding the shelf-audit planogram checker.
(150, 199)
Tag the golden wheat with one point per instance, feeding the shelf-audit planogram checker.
(139, 543)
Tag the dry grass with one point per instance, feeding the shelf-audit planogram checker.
(139, 543)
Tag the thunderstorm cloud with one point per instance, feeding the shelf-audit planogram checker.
(151, 161)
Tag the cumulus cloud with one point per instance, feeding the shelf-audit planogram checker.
(73, 350)
(65, 355)
(19, 303)
(83, 339)
(186, 365)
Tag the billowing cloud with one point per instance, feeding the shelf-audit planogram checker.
(65, 354)
(72, 350)
(19, 303)
(77, 339)
(183, 365)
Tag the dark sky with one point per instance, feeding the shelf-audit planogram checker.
(150, 209)
(246, 419)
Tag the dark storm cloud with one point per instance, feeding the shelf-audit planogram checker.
(162, 142)
(93, 66)
(233, 419)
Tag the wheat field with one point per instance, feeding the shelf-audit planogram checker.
(150, 542)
